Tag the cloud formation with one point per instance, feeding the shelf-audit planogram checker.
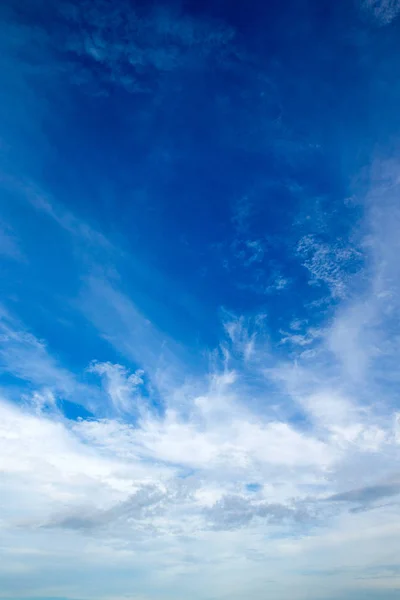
(187, 472)
(124, 46)
(174, 425)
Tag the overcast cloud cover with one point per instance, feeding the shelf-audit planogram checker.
(200, 300)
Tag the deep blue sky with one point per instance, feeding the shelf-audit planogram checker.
(200, 295)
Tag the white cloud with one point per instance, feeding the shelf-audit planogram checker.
(121, 323)
(122, 387)
(114, 496)
(162, 498)
(157, 506)
(27, 358)
(329, 264)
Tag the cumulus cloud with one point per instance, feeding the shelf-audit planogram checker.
(148, 486)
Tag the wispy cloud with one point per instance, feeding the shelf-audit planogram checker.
(121, 45)
(383, 11)
(27, 358)
(122, 387)
(217, 470)
(40, 379)
(27, 191)
(183, 474)
(332, 265)
(297, 428)
(121, 323)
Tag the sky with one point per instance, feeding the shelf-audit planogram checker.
(199, 300)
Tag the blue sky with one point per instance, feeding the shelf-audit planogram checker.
(200, 300)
